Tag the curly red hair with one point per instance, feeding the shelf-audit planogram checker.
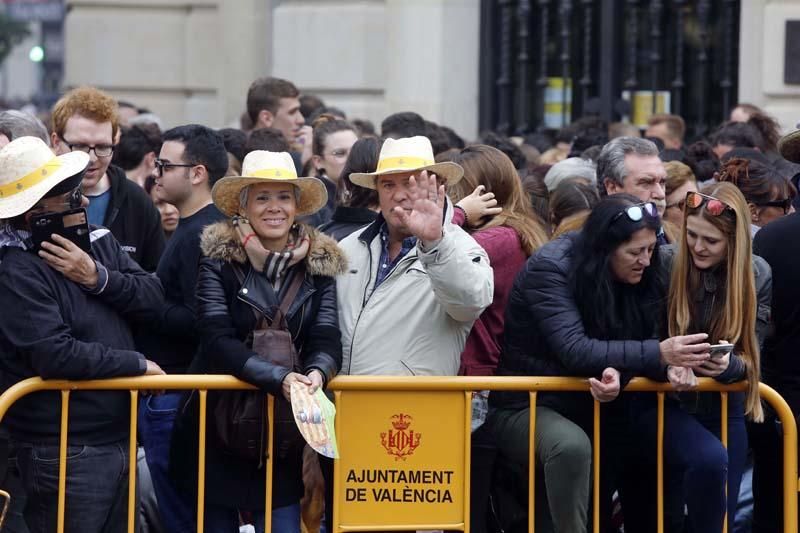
(87, 102)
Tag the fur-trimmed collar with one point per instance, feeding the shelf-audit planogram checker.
(325, 258)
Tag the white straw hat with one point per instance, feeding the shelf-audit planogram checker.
(410, 154)
(260, 166)
(29, 169)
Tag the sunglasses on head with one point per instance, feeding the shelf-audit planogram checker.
(714, 206)
(636, 212)
(785, 204)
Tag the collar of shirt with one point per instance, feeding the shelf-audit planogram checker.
(385, 265)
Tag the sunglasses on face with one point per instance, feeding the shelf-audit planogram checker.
(785, 204)
(637, 212)
(714, 206)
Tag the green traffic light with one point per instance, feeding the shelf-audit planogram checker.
(36, 54)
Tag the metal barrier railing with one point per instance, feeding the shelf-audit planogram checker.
(342, 384)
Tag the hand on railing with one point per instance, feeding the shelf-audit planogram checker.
(681, 378)
(605, 389)
(685, 350)
(153, 370)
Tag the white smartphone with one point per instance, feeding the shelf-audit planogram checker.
(720, 350)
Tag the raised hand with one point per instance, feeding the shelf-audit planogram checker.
(479, 204)
(424, 217)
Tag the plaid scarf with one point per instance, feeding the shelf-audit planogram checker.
(14, 238)
(296, 250)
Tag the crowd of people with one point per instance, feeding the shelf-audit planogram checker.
(304, 245)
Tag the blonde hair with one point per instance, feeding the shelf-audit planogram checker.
(736, 320)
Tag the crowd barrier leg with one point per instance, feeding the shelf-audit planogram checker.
(201, 462)
(62, 460)
(132, 449)
(723, 434)
(268, 466)
(532, 463)
(790, 481)
(660, 465)
(596, 467)
(6, 504)
(467, 459)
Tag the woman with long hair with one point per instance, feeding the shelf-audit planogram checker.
(492, 207)
(509, 234)
(719, 287)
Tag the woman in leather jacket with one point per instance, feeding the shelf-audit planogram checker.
(268, 249)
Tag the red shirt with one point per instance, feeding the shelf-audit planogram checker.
(482, 350)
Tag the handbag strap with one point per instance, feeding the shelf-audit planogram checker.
(289, 296)
(291, 293)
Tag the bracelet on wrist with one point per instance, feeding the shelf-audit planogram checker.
(464, 212)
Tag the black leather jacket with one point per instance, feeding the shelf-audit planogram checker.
(225, 310)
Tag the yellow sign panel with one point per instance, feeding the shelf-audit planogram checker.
(402, 458)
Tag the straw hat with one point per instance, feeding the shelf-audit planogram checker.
(29, 169)
(411, 154)
(789, 146)
(260, 166)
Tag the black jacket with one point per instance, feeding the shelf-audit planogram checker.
(225, 313)
(544, 334)
(58, 330)
(346, 220)
(134, 220)
(778, 244)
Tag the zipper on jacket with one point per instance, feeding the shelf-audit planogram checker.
(367, 298)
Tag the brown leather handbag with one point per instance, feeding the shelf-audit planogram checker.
(241, 416)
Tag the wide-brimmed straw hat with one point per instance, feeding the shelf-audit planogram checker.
(29, 169)
(411, 154)
(260, 166)
(789, 146)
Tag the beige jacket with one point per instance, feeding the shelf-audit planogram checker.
(418, 319)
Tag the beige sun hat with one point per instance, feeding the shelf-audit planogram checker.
(789, 146)
(29, 169)
(260, 166)
(410, 154)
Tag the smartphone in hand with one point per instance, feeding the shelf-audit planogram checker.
(717, 351)
(73, 225)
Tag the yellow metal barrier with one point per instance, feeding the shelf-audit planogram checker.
(344, 384)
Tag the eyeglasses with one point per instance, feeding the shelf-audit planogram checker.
(74, 201)
(100, 150)
(636, 212)
(785, 204)
(714, 207)
(161, 165)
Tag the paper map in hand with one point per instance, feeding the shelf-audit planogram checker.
(314, 415)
